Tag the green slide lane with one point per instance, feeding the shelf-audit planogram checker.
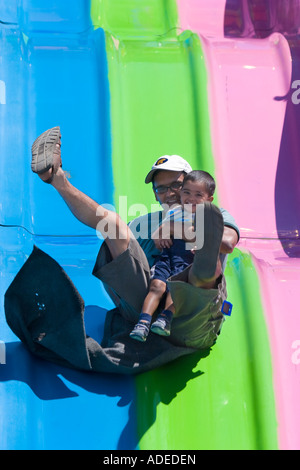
(155, 74)
(154, 111)
(221, 399)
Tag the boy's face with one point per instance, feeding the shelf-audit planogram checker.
(194, 193)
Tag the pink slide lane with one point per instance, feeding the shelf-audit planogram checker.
(257, 160)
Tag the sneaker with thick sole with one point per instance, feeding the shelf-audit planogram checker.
(161, 326)
(140, 331)
(45, 154)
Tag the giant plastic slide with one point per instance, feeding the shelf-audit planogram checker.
(217, 82)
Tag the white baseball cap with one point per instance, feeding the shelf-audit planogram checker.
(170, 163)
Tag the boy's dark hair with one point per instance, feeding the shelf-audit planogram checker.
(203, 177)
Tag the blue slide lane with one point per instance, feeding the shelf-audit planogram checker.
(55, 73)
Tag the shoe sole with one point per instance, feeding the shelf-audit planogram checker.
(138, 338)
(205, 261)
(42, 151)
(160, 331)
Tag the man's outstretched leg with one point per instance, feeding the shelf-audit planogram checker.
(46, 162)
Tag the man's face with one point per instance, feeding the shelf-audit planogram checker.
(162, 181)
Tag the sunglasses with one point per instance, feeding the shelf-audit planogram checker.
(173, 187)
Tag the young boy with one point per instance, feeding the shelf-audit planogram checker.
(198, 187)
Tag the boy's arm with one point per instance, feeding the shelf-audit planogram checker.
(174, 225)
(163, 235)
(160, 239)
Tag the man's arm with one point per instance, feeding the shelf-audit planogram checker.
(231, 233)
(229, 240)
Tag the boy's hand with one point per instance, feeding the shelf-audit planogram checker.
(161, 239)
(163, 243)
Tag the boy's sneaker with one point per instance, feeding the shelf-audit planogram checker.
(140, 331)
(162, 326)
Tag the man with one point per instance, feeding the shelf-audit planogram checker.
(166, 176)
(123, 265)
